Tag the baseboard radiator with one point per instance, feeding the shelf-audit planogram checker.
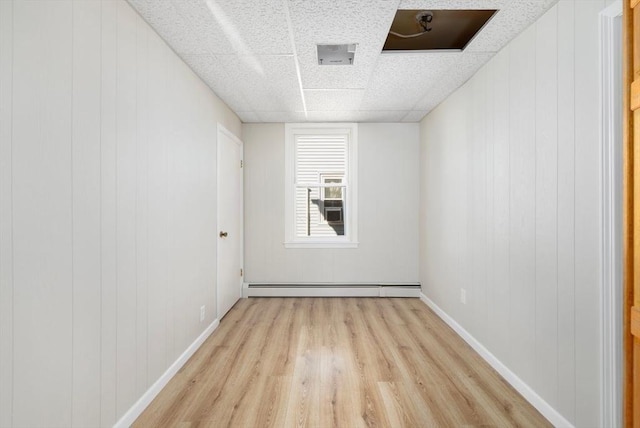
(330, 290)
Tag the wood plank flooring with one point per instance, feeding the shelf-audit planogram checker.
(336, 362)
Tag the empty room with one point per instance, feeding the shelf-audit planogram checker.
(281, 213)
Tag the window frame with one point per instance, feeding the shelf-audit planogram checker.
(350, 213)
(331, 176)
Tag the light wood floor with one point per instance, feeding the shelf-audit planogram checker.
(346, 362)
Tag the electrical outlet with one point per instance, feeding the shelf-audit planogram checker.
(202, 312)
(463, 296)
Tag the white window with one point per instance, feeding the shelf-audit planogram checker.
(332, 193)
(321, 189)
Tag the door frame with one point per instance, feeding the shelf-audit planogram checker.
(224, 131)
(631, 292)
(611, 217)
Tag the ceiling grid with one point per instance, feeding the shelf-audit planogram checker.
(259, 56)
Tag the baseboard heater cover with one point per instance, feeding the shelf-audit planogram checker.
(330, 290)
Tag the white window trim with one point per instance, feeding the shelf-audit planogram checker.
(350, 240)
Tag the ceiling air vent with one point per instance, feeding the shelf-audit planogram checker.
(425, 30)
(336, 54)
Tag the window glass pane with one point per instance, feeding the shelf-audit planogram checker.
(317, 217)
(332, 192)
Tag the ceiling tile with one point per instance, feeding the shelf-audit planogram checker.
(401, 80)
(217, 27)
(248, 117)
(281, 116)
(381, 116)
(356, 116)
(212, 72)
(334, 76)
(363, 22)
(168, 21)
(332, 116)
(415, 116)
(251, 27)
(267, 83)
(333, 99)
(508, 23)
(459, 73)
(203, 27)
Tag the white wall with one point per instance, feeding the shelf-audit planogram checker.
(510, 207)
(107, 210)
(388, 211)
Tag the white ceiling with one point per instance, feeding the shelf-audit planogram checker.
(259, 56)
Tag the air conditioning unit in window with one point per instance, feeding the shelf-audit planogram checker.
(333, 215)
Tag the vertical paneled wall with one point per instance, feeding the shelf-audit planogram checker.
(510, 207)
(387, 211)
(107, 210)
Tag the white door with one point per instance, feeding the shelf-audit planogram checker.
(229, 221)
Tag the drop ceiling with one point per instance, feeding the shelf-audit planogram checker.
(260, 56)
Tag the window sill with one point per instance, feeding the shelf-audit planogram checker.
(321, 245)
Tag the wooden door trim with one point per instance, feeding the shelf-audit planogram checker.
(635, 94)
(635, 321)
(630, 224)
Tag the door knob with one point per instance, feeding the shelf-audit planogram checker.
(223, 234)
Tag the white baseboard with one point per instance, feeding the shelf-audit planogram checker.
(326, 290)
(529, 394)
(136, 410)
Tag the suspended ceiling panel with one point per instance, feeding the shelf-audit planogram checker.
(213, 72)
(465, 66)
(266, 82)
(334, 22)
(260, 56)
(281, 116)
(357, 116)
(333, 99)
(401, 80)
(248, 116)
